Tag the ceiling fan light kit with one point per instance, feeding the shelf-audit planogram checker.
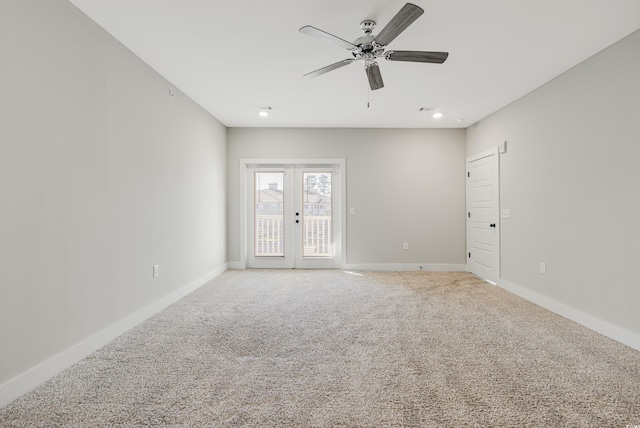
(369, 47)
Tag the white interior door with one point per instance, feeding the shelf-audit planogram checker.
(483, 220)
(294, 216)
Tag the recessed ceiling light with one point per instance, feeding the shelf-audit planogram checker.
(264, 111)
(437, 115)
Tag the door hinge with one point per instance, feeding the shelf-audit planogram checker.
(469, 255)
(468, 174)
(469, 214)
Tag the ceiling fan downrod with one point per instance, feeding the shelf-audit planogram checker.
(367, 26)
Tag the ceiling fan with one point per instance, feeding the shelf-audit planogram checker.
(369, 47)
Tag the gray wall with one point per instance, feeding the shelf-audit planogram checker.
(407, 185)
(102, 175)
(572, 181)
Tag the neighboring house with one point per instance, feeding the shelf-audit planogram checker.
(269, 201)
(316, 204)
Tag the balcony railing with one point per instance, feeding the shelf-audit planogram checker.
(317, 236)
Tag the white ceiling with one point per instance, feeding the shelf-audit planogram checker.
(233, 56)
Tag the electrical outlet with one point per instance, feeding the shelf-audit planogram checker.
(156, 270)
(405, 246)
(543, 268)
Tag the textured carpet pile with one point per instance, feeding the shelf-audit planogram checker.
(334, 349)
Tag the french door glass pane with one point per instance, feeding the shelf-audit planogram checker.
(269, 214)
(317, 234)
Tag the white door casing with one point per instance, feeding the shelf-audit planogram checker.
(483, 215)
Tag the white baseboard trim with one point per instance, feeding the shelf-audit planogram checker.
(28, 380)
(605, 328)
(236, 265)
(404, 267)
(388, 267)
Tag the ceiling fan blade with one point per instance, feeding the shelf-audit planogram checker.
(314, 32)
(329, 68)
(375, 78)
(417, 56)
(409, 13)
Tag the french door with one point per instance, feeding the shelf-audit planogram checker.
(293, 216)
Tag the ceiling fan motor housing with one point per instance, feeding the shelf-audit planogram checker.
(366, 48)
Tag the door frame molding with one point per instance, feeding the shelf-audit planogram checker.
(491, 152)
(245, 164)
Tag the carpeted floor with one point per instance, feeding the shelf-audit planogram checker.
(332, 349)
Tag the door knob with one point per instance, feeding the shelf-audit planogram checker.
(297, 221)
(492, 225)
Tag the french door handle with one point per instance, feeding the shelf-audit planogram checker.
(297, 221)
(492, 225)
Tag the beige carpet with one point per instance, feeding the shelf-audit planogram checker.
(331, 349)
